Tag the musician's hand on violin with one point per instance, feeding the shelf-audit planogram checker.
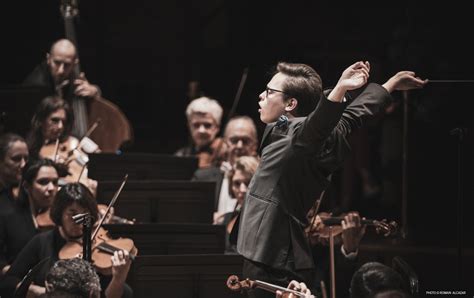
(84, 88)
(35, 290)
(109, 218)
(120, 265)
(352, 232)
(297, 286)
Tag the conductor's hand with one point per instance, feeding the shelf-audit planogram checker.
(353, 77)
(404, 80)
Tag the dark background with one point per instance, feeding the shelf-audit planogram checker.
(143, 53)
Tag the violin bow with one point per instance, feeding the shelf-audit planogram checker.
(233, 108)
(315, 208)
(92, 128)
(79, 145)
(88, 133)
(56, 150)
(239, 93)
(323, 289)
(112, 202)
(82, 171)
(332, 267)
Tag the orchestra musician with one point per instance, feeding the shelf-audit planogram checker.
(239, 178)
(204, 119)
(50, 137)
(31, 212)
(72, 199)
(56, 75)
(240, 139)
(13, 158)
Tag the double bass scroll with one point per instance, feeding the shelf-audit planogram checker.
(115, 129)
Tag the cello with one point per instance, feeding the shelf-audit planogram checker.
(115, 129)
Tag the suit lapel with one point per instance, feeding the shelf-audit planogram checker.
(266, 137)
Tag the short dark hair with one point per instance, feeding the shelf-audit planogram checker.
(47, 106)
(304, 84)
(6, 141)
(75, 277)
(73, 193)
(372, 278)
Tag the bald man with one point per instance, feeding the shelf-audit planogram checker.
(240, 136)
(56, 74)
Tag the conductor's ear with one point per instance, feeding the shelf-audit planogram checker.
(291, 104)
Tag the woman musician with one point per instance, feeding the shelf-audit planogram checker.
(72, 199)
(31, 211)
(50, 137)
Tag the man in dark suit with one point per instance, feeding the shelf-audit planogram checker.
(303, 143)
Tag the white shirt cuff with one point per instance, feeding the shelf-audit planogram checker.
(350, 256)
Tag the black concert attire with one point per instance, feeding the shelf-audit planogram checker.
(297, 156)
(43, 245)
(16, 230)
(7, 200)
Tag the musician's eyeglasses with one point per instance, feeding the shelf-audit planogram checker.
(245, 140)
(269, 91)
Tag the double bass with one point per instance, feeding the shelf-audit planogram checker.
(115, 129)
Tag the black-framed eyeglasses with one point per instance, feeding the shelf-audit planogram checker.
(234, 140)
(269, 90)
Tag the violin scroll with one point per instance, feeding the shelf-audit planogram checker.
(235, 284)
(386, 228)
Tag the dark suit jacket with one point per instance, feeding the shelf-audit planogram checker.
(296, 159)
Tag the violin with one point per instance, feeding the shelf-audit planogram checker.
(113, 219)
(235, 284)
(214, 156)
(102, 246)
(324, 224)
(71, 155)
